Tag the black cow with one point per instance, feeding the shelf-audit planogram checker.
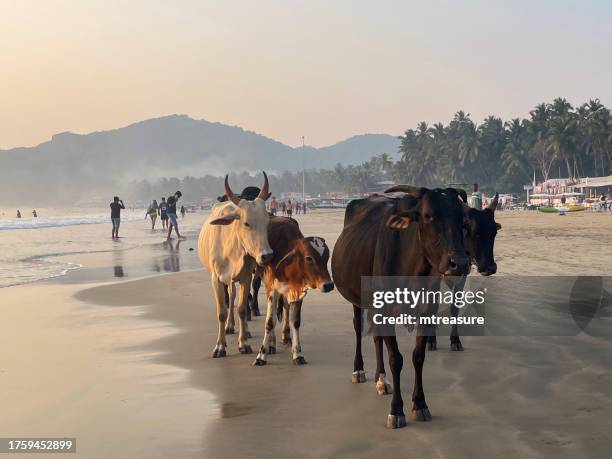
(417, 233)
(480, 230)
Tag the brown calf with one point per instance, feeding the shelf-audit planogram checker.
(299, 264)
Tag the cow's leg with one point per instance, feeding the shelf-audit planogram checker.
(220, 290)
(455, 342)
(255, 300)
(295, 317)
(230, 300)
(243, 336)
(248, 309)
(432, 341)
(383, 387)
(268, 345)
(284, 310)
(396, 418)
(358, 375)
(420, 412)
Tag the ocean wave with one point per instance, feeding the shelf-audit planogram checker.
(26, 272)
(53, 222)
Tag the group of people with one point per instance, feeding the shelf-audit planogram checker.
(165, 210)
(286, 207)
(34, 214)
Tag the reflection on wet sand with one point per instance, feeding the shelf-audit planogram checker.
(170, 262)
(118, 264)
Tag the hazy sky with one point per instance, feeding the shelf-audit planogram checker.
(287, 68)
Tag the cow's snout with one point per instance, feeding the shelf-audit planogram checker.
(265, 258)
(458, 265)
(489, 270)
(327, 287)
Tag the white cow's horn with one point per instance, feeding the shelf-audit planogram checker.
(263, 194)
(229, 193)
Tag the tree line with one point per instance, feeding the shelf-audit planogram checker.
(556, 139)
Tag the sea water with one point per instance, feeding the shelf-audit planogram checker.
(34, 249)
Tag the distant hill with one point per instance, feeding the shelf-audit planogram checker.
(73, 166)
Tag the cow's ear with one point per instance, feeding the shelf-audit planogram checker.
(279, 270)
(225, 220)
(498, 225)
(400, 222)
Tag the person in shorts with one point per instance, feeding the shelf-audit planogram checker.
(116, 207)
(162, 211)
(152, 211)
(289, 208)
(173, 220)
(273, 205)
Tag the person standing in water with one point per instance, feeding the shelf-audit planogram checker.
(173, 220)
(163, 212)
(152, 213)
(116, 207)
(34, 214)
(18, 213)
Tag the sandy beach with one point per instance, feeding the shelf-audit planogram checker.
(126, 366)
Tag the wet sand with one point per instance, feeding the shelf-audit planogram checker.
(127, 368)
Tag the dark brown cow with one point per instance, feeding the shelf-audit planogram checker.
(299, 264)
(480, 230)
(418, 233)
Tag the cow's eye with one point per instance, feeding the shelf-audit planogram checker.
(247, 224)
(308, 259)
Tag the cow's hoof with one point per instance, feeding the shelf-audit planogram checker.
(286, 340)
(271, 349)
(396, 421)
(456, 346)
(299, 361)
(358, 376)
(432, 346)
(383, 387)
(259, 362)
(421, 415)
(246, 349)
(219, 353)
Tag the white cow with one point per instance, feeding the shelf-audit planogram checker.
(232, 241)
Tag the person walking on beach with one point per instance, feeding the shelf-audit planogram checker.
(152, 213)
(173, 220)
(18, 213)
(289, 208)
(162, 211)
(116, 207)
(34, 214)
(476, 198)
(183, 211)
(273, 205)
